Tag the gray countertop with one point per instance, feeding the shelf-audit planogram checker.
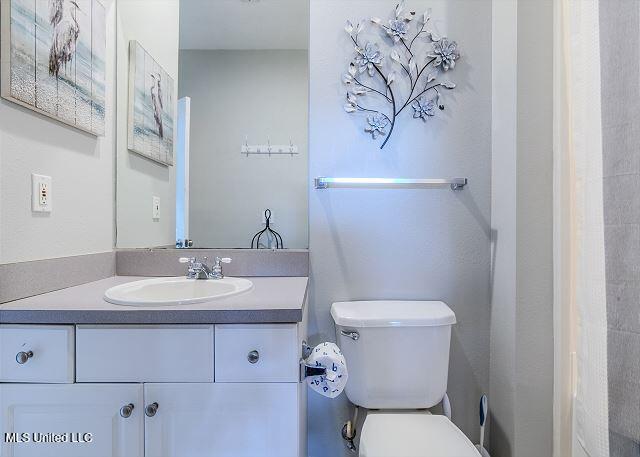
(272, 300)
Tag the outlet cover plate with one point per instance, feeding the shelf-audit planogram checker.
(41, 194)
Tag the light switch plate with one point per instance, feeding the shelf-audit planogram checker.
(156, 209)
(41, 194)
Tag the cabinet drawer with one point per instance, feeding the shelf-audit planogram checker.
(36, 353)
(144, 353)
(276, 357)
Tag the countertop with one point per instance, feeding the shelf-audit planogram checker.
(272, 300)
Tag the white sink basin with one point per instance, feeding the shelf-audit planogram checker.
(175, 291)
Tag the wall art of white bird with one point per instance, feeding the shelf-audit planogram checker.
(65, 31)
(157, 103)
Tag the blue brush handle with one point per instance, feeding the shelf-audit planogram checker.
(483, 409)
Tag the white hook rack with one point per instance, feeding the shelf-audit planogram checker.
(268, 149)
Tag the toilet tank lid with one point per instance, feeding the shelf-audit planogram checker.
(392, 313)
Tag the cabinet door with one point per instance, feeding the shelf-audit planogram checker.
(222, 420)
(40, 420)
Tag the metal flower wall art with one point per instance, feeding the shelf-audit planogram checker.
(406, 71)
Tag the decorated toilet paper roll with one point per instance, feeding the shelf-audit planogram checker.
(329, 356)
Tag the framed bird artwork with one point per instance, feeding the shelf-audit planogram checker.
(53, 59)
(151, 107)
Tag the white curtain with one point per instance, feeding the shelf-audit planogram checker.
(581, 422)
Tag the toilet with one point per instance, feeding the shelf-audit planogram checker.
(397, 353)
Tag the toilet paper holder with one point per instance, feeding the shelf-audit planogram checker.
(310, 370)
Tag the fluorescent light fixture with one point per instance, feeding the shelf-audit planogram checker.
(454, 183)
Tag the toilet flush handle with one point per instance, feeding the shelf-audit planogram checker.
(350, 334)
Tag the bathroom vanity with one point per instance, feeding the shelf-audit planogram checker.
(220, 378)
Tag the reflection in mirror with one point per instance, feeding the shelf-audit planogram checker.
(241, 127)
(243, 69)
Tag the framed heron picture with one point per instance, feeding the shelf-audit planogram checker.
(53, 59)
(151, 107)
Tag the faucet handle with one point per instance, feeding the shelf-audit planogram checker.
(216, 271)
(192, 270)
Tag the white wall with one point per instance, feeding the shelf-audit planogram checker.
(155, 24)
(534, 323)
(82, 168)
(403, 244)
(521, 394)
(503, 223)
(260, 94)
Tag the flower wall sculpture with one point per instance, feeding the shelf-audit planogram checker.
(383, 83)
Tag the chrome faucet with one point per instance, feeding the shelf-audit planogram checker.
(197, 269)
(200, 269)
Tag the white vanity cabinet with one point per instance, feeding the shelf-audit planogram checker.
(71, 411)
(200, 390)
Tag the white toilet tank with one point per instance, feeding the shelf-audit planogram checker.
(397, 352)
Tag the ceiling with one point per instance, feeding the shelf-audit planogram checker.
(244, 24)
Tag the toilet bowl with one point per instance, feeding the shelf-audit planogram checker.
(398, 358)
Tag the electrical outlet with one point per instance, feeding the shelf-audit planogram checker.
(156, 209)
(41, 196)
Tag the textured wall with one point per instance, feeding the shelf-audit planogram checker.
(534, 225)
(504, 121)
(521, 372)
(155, 24)
(620, 42)
(403, 244)
(82, 168)
(257, 94)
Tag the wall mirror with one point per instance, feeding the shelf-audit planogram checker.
(236, 74)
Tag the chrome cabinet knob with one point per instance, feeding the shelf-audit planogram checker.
(126, 410)
(22, 357)
(151, 409)
(253, 357)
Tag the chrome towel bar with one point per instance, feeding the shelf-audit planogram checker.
(325, 183)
